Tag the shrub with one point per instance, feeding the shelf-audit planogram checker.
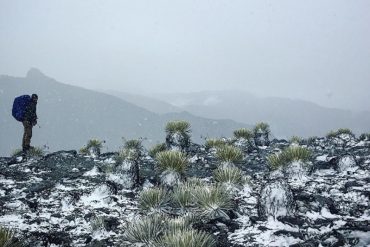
(181, 127)
(264, 127)
(230, 175)
(157, 148)
(336, 133)
(179, 223)
(213, 202)
(32, 152)
(243, 133)
(17, 152)
(8, 239)
(172, 161)
(215, 143)
(131, 151)
(182, 196)
(187, 238)
(92, 143)
(230, 154)
(289, 155)
(133, 144)
(154, 200)
(295, 139)
(145, 231)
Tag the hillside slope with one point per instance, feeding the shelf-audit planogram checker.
(69, 116)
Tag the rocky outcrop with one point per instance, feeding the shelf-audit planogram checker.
(66, 199)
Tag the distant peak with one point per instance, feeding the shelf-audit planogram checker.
(35, 73)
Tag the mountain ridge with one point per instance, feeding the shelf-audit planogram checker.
(69, 116)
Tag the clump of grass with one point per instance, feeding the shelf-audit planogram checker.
(172, 161)
(341, 131)
(156, 149)
(187, 238)
(215, 143)
(179, 126)
(182, 196)
(194, 182)
(133, 144)
(229, 154)
(261, 127)
(17, 152)
(32, 152)
(213, 202)
(229, 175)
(92, 144)
(243, 133)
(179, 223)
(8, 239)
(131, 151)
(289, 155)
(295, 139)
(146, 231)
(154, 200)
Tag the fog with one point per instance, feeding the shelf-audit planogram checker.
(312, 50)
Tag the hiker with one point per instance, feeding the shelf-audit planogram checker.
(24, 110)
(30, 120)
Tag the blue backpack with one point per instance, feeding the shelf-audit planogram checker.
(19, 107)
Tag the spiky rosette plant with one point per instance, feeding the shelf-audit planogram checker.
(172, 166)
(146, 231)
(213, 202)
(183, 196)
(229, 155)
(187, 238)
(8, 239)
(215, 143)
(33, 152)
(295, 140)
(339, 132)
(92, 148)
(243, 139)
(154, 200)
(228, 175)
(178, 135)
(261, 134)
(156, 149)
(243, 133)
(132, 150)
(179, 223)
(289, 155)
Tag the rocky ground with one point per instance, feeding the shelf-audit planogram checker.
(59, 199)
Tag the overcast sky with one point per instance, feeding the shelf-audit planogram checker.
(317, 50)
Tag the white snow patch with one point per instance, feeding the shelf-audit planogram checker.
(98, 198)
(93, 172)
(170, 178)
(322, 157)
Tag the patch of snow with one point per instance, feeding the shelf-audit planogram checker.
(170, 178)
(99, 197)
(6, 181)
(346, 163)
(322, 157)
(92, 173)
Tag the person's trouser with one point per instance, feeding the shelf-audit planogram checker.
(27, 135)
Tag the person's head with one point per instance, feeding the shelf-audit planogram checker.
(34, 98)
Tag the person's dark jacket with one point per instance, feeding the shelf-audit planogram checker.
(30, 113)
